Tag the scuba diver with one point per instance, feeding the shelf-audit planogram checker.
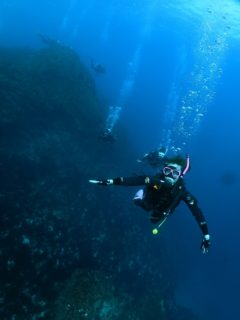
(49, 41)
(112, 118)
(154, 158)
(163, 193)
(107, 136)
(98, 67)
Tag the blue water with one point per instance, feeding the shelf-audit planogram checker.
(174, 69)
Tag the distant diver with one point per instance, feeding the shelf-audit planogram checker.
(98, 67)
(163, 192)
(107, 136)
(49, 41)
(154, 158)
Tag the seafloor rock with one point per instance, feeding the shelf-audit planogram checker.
(49, 115)
(93, 295)
(45, 85)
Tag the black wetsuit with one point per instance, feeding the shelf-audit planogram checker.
(153, 159)
(162, 199)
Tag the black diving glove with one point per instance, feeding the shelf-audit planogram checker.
(205, 243)
(102, 182)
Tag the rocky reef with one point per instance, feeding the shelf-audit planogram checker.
(64, 253)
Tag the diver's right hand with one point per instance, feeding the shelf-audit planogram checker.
(102, 182)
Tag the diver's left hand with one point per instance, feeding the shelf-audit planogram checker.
(205, 244)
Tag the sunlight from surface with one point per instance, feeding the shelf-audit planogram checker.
(222, 12)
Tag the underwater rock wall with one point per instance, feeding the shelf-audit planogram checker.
(68, 250)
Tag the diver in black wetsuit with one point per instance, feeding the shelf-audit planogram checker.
(49, 41)
(107, 136)
(98, 67)
(154, 158)
(163, 193)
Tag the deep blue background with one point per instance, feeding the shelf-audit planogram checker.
(110, 32)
